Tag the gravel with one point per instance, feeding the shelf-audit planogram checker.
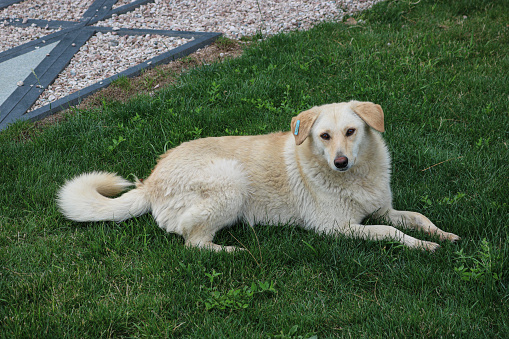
(12, 36)
(99, 59)
(235, 18)
(47, 10)
(107, 54)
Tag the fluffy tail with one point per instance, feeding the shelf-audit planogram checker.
(85, 198)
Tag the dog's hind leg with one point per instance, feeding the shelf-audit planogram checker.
(419, 222)
(384, 232)
(222, 194)
(200, 223)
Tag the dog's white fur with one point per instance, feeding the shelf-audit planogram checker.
(327, 174)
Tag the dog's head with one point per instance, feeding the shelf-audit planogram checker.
(338, 131)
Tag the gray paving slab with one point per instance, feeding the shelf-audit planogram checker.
(17, 69)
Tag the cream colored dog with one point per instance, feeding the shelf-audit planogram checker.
(328, 174)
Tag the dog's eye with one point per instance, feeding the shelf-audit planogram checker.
(350, 131)
(325, 136)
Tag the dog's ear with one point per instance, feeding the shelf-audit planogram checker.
(371, 113)
(302, 123)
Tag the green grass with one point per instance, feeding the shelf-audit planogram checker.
(439, 69)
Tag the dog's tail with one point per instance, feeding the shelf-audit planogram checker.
(85, 198)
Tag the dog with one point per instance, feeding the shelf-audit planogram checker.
(328, 174)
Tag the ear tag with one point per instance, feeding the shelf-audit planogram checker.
(297, 124)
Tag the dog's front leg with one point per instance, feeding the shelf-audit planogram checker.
(419, 222)
(384, 232)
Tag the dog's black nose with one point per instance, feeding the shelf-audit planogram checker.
(341, 162)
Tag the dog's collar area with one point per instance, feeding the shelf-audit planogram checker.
(297, 125)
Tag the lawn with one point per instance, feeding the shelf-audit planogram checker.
(439, 69)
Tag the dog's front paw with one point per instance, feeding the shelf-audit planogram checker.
(231, 249)
(428, 246)
(450, 236)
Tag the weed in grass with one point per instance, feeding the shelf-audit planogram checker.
(122, 82)
(482, 143)
(225, 43)
(137, 120)
(305, 66)
(427, 202)
(198, 109)
(484, 266)
(149, 82)
(453, 200)
(214, 92)
(116, 143)
(195, 133)
(236, 131)
(234, 299)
